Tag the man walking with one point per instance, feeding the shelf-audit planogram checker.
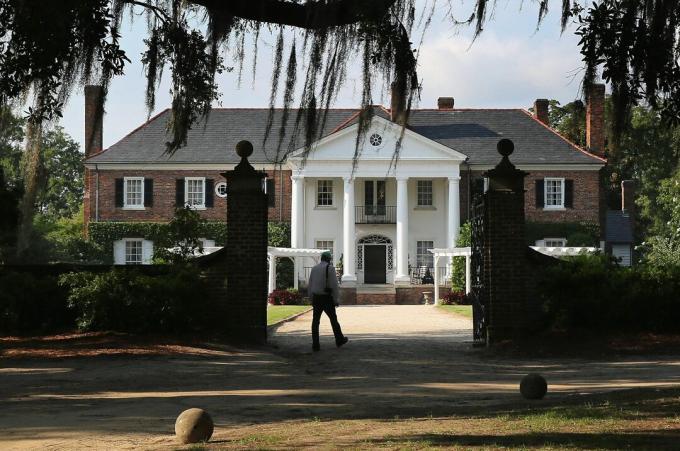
(323, 287)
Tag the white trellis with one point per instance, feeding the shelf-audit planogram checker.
(275, 252)
(451, 252)
(564, 251)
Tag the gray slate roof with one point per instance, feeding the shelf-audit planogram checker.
(619, 228)
(471, 132)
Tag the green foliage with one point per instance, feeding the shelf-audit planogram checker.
(569, 120)
(279, 234)
(11, 141)
(592, 292)
(60, 191)
(182, 237)
(32, 303)
(103, 234)
(127, 300)
(9, 218)
(577, 233)
(458, 264)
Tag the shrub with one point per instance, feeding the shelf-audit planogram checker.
(127, 300)
(285, 297)
(458, 264)
(32, 304)
(592, 292)
(455, 298)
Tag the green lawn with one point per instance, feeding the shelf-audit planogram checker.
(465, 310)
(276, 313)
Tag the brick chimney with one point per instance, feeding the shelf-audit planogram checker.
(397, 105)
(445, 103)
(94, 119)
(595, 119)
(541, 111)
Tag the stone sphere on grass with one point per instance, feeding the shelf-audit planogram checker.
(193, 426)
(533, 386)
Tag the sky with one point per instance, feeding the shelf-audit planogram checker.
(509, 66)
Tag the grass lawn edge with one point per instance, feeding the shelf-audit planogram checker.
(273, 326)
(452, 310)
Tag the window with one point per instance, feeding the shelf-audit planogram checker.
(325, 244)
(554, 242)
(133, 252)
(424, 193)
(195, 192)
(554, 193)
(221, 189)
(423, 256)
(324, 193)
(134, 192)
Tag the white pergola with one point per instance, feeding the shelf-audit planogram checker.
(564, 251)
(275, 252)
(451, 252)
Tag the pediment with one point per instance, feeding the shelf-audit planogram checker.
(379, 143)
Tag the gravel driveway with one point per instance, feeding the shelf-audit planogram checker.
(401, 361)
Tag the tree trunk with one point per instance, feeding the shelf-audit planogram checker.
(31, 172)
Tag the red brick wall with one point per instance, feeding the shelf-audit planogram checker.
(164, 195)
(586, 197)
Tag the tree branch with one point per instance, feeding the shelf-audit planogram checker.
(159, 13)
(310, 15)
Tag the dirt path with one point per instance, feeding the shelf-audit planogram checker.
(401, 361)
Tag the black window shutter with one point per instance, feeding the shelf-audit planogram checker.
(119, 193)
(179, 193)
(569, 193)
(148, 192)
(540, 193)
(271, 192)
(209, 193)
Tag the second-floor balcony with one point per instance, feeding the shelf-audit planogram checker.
(375, 214)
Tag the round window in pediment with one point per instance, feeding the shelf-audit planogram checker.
(375, 139)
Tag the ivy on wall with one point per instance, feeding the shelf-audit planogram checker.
(577, 233)
(105, 233)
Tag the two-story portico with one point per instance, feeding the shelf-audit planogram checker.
(381, 212)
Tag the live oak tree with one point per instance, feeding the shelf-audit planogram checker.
(47, 49)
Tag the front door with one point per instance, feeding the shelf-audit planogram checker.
(375, 263)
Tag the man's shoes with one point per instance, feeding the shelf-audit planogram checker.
(343, 341)
(316, 348)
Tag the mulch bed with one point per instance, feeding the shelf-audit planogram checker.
(95, 344)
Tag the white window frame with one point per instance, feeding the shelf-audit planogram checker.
(127, 206)
(186, 193)
(127, 241)
(331, 247)
(332, 194)
(217, 189)
(431, 204)
(545, 193)
(427, 254)
(544, 242)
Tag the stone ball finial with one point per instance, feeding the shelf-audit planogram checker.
(505, 147)
(533, 386)
(193, 426)
(244, 149)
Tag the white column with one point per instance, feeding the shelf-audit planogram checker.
(272, 273)
(436, 279)
(453, 224)
(297, 218)
(348, 230)
(468, 276)
(402, 231)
